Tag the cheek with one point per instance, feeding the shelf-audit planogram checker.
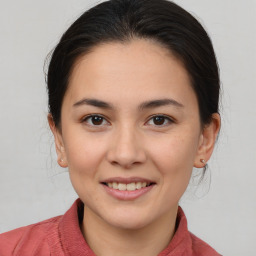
(84, 154)
(174, 159)
(175, 153)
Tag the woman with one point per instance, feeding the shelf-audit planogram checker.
(133, 90)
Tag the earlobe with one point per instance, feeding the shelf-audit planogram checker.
(207, 141)
(59, 146)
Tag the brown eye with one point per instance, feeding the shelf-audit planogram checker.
(160, 120)
(95, 120)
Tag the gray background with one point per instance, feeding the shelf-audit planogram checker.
(33, 187)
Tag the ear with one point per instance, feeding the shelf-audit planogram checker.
(59, 145)
(207, 141)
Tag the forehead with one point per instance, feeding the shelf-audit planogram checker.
(140, 68)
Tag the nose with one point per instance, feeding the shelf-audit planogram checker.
(126, 149)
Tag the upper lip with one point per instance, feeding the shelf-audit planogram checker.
(126, 180)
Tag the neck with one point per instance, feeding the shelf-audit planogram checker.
(106, 240)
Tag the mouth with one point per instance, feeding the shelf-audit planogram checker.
(128, 186)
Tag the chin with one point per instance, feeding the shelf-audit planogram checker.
(128, 223)
(128, 219)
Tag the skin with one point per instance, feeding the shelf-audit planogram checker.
(128, 142)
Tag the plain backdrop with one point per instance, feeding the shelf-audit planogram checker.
(33, 187)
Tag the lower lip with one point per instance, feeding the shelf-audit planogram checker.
(126, 194)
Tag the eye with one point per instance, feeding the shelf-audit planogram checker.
(95, 120)
(160, 120)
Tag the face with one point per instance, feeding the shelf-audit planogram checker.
(130, 133)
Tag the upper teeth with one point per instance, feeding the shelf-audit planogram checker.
(130, 186)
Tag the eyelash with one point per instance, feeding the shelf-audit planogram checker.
(85, 119)
(166, 118)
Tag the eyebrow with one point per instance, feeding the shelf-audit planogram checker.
(145, 105)
(94, 102)
(160, 103)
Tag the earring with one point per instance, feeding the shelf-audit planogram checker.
(61, 160)
(202, 161)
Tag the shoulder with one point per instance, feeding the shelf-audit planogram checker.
(29, 240)
(184, 243)
(201, 248)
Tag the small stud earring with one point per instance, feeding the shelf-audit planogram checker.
(61, 160)
(202, 161)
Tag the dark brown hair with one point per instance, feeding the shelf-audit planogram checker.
(122, 21)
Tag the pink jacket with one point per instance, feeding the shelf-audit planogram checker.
(61, 236)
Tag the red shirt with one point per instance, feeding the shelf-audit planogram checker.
(61, 236)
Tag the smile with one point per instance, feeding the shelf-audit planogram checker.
(130, 186)
(127, 188)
